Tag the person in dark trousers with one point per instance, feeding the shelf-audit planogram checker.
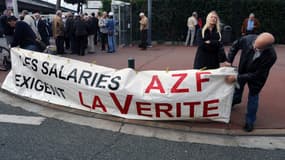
(42, 28)
(81, 33)
(24, 36)
(67, 30)
(143, 30)
(94, 27)
(58, 32)
(210, 52)
(256, 59)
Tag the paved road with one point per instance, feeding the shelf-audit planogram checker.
(54, 139)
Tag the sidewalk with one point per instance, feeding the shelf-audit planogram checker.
(270, 117)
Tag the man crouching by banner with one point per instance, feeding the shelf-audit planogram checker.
(24, 35)
(257, 58)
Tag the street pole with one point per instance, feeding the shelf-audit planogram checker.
(15, 8)
(149, 13)
(57, 5)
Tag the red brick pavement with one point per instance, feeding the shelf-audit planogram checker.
(271, 114)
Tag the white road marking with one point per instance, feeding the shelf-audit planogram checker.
(29, 120)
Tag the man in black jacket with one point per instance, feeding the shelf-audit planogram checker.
(95, 27)
(69, 34)
(81, 33)
(257, 58)
(24, 36)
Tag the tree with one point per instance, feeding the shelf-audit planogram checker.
(106, 5)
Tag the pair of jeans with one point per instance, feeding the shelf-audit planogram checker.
(252, 103)
(190, 34)
(31, 47)
(111, 43)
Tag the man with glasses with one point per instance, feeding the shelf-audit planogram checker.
(256, 59)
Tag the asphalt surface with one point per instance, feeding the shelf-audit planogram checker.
(58, 140)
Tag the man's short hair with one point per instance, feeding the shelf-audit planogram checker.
(6, 11)
(11, 18)
(25, 12)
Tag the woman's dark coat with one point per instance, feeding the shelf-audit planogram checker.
(209, 56)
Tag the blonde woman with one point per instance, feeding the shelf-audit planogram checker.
(210, 52)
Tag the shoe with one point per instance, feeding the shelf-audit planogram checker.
(248, 127)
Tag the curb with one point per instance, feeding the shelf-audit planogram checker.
(159, 124)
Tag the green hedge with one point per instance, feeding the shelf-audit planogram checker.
(170, 16)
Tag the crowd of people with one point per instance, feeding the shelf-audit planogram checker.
(72, 33)
(250, 25)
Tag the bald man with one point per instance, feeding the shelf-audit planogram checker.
(256, 59)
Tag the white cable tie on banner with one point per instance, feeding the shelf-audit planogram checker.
(30, 53)
(48, 56)
(68, 60)
(167, 69)
(91, 64)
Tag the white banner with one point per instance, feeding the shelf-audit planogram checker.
(146, 95)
